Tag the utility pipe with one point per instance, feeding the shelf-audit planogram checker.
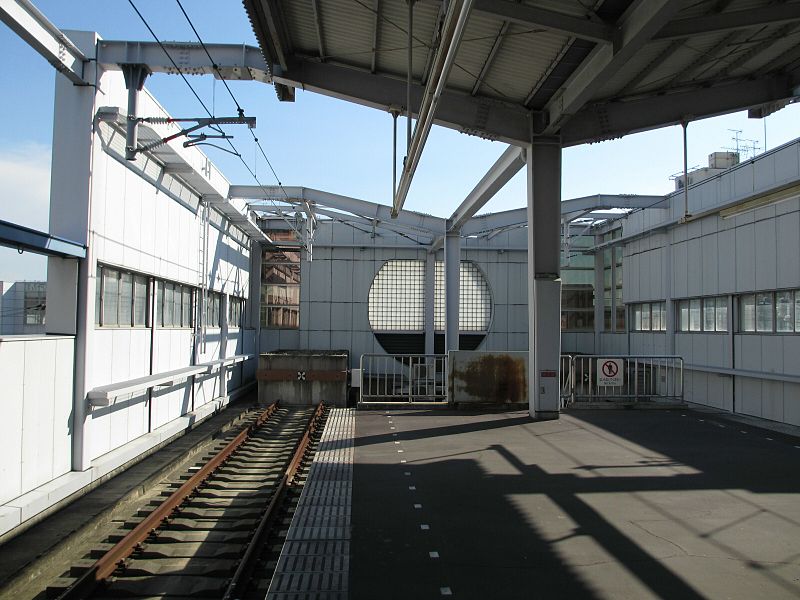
(452, 32)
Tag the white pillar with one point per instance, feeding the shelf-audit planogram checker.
(452, 282)
(430, 299)
(544, 284)
(70, 287)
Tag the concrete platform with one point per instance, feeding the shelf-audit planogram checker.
(599, 504)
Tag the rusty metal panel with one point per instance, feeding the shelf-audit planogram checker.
(488, 377)
(303, 377)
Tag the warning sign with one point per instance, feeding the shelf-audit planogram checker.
(610, 372)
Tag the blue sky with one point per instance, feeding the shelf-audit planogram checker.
(315, 141)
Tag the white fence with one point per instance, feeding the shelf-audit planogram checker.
(626, 378)
(403, 379)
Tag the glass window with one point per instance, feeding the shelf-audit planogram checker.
(235, 309)
(35, 297)
(280, 289)
(637, 317)
(709, 314)
(645, 317)
(110, 296)
(98, 295)
(475, 300)
(764, 312)
(655, 316)
(139, 301)
(125, 300)
(784, 309)
(213, 318)
(168, 312)
(797, 311)
(683, 310)
(695, 322)
(722, 313)
(747, 312)
(186, 307)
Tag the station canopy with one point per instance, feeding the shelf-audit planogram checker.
(580, 69)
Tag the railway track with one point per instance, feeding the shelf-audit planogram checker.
(218, 532)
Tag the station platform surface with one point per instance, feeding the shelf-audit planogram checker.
(598, 504)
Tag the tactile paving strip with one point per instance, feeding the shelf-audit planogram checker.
(315, 559)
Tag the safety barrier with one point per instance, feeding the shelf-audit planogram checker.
(403, 378)
(624, 378)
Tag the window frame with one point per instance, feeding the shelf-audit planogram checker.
(126, 315)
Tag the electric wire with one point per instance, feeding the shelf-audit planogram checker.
(205, 107)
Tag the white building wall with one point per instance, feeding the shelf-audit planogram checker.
(757, 250)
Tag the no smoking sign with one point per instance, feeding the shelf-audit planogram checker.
(610, 372)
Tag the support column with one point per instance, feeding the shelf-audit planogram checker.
(253, 318)
(544, 283)
(430, 299)
(452, 282)
(71, 287)
(599, 297)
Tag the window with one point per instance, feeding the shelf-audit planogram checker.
(649, 316)
(121, 298)
(694, 314)
(35, 300)
(213, 318)
(703, 314)
(175, 304)
(475, 300)
(784, 309)
(577, 307)
(747, 312)
(280, 289)
(764, 312)
(397, 298)
(770, 312)
(235, 311)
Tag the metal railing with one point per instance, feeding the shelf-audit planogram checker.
(626, 378)
(403, 378)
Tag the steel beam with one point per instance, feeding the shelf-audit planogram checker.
(490, 119)
(452, 285)
(419, 222)
(636, 27)
(546, 19)
(487, 64)
(375, 34)
(614, 119)
(39, 242)
(234, 61)
(31, 25)
(778, 14)
(318, 25)
(452, 31)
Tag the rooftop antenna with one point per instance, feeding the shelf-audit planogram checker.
(736, 140)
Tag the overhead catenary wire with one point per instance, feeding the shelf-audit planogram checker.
(206, 109)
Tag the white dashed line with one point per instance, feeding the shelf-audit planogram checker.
(702, 420)
(424, 527)
(418, 506)
(433, 554)
(396, 442)
(769, 439)
(403, 460)
(742, 431)
(445, 591)
(413, 488)
(798, 447)
(399, 450)
(407, 473)
(394, 434)
(391, 427)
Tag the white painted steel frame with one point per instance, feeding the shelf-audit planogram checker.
(665, 373)
(398, 379)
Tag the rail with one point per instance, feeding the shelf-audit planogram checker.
(403, 379)
(624, 378)
(115, 558)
